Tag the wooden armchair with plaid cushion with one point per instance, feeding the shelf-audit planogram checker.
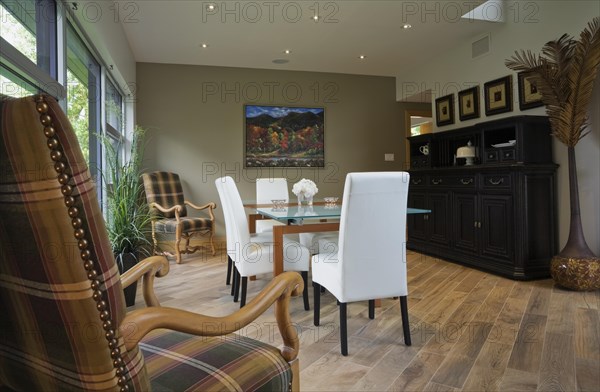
(165, 197)
(63, 324)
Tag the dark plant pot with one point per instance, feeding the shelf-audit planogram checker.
(125, 261)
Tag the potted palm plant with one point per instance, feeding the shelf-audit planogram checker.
(127, 216)
(564, 74)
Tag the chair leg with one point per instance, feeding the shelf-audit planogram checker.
(236, 286)
(177, 242)
(244, 289)
(405, 324)
(343, 329)
(305, 292)
(229, 266)
(371, 309)
(317, 304)
(212, 244)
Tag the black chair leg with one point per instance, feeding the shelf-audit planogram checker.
(244, 290)
(405, 325)
(305, 292)
(322, 289)
(371, 309)
(343, 329)
(236, 285)
(229, 266)
(317, 304)
(233, 278)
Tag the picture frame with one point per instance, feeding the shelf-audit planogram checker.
(444, 110)
(468, 103)
(498, 95)
(529, 96)
(284, 136)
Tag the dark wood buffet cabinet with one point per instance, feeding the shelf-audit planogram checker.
(498, 214)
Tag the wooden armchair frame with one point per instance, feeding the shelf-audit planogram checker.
(138, 323)
(179, 233)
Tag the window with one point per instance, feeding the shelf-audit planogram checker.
(114, 117)
(13, 86)
(29, 26)
(83, 97)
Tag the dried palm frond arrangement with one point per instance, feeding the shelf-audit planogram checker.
(564, 74)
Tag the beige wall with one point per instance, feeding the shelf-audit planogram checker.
(195, 118)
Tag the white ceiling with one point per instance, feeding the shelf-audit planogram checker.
(254, 33)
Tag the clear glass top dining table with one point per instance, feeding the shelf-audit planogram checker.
(299, 219)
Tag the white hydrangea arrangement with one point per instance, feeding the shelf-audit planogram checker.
(305, 187)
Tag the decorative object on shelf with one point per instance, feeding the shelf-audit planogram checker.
(281, 136)
(510, 143)
(565, 73)
(498, 96)
(467, 152)
(468, 103)
(424, 149)
(305, 190)
(529, 95)
(444, 110)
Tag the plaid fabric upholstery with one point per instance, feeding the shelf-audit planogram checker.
(187, 225)
(182, 362)
(51, 332)
(165, 189)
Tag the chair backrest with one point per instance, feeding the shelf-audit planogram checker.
(164, 188)
(60, 292)
(268, 189)
(226, 208)
(372, 242)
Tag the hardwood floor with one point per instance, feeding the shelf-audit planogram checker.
(471, 331)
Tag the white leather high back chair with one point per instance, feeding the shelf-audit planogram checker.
(268, 189)
(370, 260)
(252, 254)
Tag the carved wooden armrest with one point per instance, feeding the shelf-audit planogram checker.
(210, 207)
(176, 208)
(154, 266)
(139, 322)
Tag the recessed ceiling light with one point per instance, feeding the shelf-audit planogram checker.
(406, 26)
(287, 51)
(315, 18)
(362, 57)
(204, 46)
(210, 7)
(281, 61)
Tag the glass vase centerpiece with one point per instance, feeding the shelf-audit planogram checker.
(305, 190)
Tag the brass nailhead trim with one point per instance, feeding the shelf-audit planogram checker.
(64, 178)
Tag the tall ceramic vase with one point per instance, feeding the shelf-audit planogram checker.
(575, 267)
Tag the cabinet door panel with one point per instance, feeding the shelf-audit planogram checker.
(415, 223)
(497, 226)
(439, 219)
(464, 221)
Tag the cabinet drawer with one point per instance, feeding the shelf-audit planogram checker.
(417, 180)
(463, 181)
(507, 155)
(491, 156)
(438, 181)
(497, 181)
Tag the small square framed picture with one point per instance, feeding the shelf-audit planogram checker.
(529, 94)
(498, 96)
(468, 103)
(444, 110)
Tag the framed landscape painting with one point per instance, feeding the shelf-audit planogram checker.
(283, 136)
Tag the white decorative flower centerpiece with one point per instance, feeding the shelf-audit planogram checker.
(305, 190)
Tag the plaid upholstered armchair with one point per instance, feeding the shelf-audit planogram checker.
(165, 198)
(63, 323)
